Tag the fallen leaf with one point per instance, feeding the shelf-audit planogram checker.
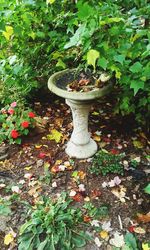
(72, 193)
(16, 189)
(55, 135)
(118, 240)
(78, 197)
(103, 234)
(97, 242)
(96, 138)
(139, 230)
(81, 188)
(86, 218)
(138, 144)
(54, 184)
(115, 182)
(107, 226)
(8, 239)
(120, 192)
(95, 223)
(143, 217)
(42, 155)
(147, 189)
(38, 146)
(95, 193)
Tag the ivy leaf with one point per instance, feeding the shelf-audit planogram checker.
(136, 85)
(92, 56)
(61, 64)
(55, 135)
(147, 189)
(8, 33)
(76, 39)
(119, 58)
(102, 62)
(136, 67)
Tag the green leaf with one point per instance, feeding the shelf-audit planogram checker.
(131, 242)
(61, 64)
(4, 210)
(78, 241)
(76, 39)
(92, 56)
(147, 189)
(42, 244)
(136, 85)
(102, 62)
(136, 67)
(119, 58)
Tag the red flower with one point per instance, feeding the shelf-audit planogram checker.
(31, 115)
(25, 124)
(14, 134)
(11, 111)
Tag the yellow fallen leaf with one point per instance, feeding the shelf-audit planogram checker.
(28, 168)
(8, 239)
(137, 144)
(9, 31)
(55, 135)
(95, 113)
(103, 234)
(145, 246)
(38, 146)
(96, 138)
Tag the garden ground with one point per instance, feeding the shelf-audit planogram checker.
(40, 167)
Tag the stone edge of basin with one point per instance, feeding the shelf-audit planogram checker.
(91, 95)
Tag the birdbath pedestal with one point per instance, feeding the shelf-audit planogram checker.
(80, 145)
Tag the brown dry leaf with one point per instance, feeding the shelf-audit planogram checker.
(143, 217)
(65, 138)
(35, 191)
(59, 122)
(120, 192)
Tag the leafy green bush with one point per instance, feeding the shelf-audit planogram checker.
(115, 38)
(53, 225)
(108, 35)
(104, 163)
(15, 121)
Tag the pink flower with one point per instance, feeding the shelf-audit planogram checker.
(11, 111)
(13, 104)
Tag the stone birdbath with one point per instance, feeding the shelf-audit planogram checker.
(81, 145)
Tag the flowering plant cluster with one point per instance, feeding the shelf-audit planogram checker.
(15, 122)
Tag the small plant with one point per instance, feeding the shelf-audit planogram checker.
(15, 122)
(104, 163)
(53, 225)
(5, 207)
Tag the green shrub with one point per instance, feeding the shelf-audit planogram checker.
(104, 163)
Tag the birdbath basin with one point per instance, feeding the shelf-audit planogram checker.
(81, 145)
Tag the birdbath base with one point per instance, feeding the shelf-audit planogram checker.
(80, 146)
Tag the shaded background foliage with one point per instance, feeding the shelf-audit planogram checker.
(38, 38)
